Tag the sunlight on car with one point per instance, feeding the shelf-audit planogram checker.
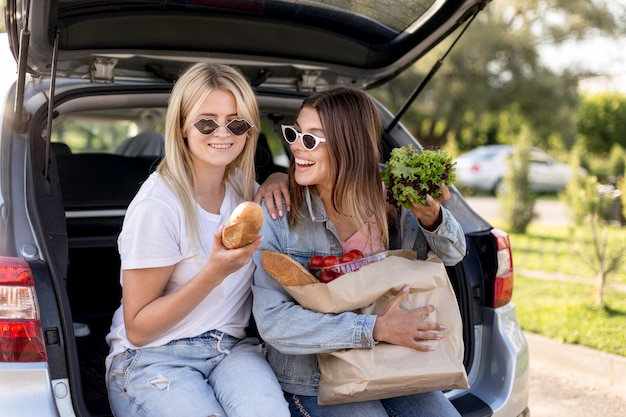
(483, 168)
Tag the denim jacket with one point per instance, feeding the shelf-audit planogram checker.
(294, 334)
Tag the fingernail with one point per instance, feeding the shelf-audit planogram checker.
(439, 335)
(273, 216)
(442, 327)
(280, 213)
(405, 288)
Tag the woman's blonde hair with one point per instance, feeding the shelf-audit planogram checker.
(352, 130)
(176, 168)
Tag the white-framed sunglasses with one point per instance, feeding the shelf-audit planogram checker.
(309, 140)
(236, 126)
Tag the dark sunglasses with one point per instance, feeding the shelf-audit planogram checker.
(237, 126)
(309, 140)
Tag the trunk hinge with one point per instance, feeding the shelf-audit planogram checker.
(53, 79)
(308, 80)
(431, 73)
(102, 69)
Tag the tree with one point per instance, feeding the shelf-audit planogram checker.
(592, 239)
(495, 67)
(516, 199)
(602, 122)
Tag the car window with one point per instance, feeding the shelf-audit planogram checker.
(136, 132)
(537, 157)
(109, 131)
(398, 15)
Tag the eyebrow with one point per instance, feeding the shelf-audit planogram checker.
(318, 131)
(214, 116)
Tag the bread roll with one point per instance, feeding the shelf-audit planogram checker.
(286, 270)
(243, 225)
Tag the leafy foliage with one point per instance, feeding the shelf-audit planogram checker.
(411, 175)
(603, 252)
(601, 122)
(516, 199)
(496, 67)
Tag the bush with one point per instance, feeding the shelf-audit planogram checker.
(516, 200)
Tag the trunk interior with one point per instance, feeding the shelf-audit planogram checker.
(92, 199)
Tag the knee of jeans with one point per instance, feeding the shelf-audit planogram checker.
(160, 382)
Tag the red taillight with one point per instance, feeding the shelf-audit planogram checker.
(21, 338)
(503, 283)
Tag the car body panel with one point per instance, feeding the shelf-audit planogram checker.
(25, 390)
(303, 43)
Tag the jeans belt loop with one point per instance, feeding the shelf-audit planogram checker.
(219, 336)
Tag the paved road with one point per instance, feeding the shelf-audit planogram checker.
(574, 381)
(556, 396)
(550, 212)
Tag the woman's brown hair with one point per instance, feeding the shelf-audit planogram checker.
(352, 130)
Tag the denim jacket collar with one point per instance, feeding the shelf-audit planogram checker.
(315, 205)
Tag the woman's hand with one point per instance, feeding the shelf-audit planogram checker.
(406, 328)
(429, 215)
(273, 190)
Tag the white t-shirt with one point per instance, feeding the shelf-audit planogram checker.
(154, 234)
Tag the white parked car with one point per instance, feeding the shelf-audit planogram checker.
(484, 167)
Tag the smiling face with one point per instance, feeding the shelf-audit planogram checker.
(312, 167)
(220, 147)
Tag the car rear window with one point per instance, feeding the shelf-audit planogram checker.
(398, 15)
(111, 131)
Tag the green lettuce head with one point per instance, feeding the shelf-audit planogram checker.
(411, 175)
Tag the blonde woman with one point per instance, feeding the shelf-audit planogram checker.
(178, 344)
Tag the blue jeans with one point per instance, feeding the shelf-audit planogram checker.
(429, 404)
(212, 374)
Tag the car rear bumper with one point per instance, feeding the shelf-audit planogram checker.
(25, 390)
(499, 377)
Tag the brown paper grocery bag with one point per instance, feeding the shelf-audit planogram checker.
(386, 371)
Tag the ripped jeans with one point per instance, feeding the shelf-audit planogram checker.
(212, 374)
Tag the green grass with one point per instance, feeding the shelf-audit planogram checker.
(554, 289)
(563, 311)
(560, 304)
(551, 249)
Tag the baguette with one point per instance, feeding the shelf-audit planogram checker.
(243, 225)
(286, 270)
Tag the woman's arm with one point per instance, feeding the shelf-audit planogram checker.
(291, 328)
(441, 231)
(148, 313)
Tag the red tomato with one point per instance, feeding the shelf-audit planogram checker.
(326, 277)
(358, 253)
(316, 261)
(331, 260)
(349, 257)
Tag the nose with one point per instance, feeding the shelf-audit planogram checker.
(222, 131)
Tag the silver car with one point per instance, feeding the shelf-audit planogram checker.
(91, 72)
(483, 169)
